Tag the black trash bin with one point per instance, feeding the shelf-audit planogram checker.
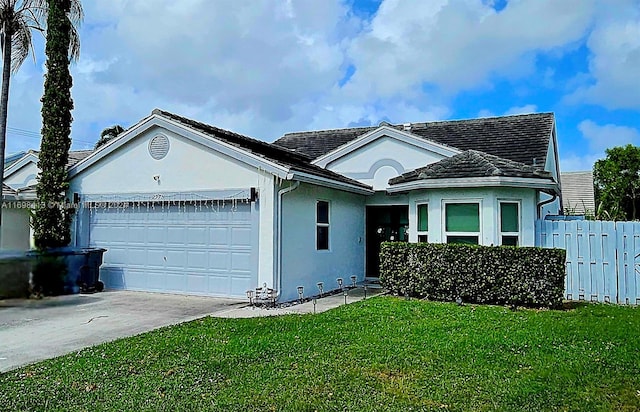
(68, 270)
(90, 271)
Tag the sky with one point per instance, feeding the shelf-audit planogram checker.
(266, 67)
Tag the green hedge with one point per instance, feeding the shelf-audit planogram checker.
(523, 276)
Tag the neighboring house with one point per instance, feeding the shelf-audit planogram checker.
(20, 178)
(185, 207)
(578, 196)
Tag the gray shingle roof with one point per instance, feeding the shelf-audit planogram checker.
(471, 163)
(75, 156)
(521, 138)
(276, 154)
(7, 191)
(577, 192)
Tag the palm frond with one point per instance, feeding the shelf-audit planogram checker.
(21, 43)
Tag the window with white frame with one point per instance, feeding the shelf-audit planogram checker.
(322, 225)
(509, 223)
(462, 223)
(422, 212)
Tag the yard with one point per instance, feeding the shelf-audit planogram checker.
(381, 354)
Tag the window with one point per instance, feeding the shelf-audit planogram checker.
(423, 223)
(322, 225)
(509, 223)
(462, 223)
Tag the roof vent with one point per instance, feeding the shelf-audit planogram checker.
(159, 147)
(406, 127)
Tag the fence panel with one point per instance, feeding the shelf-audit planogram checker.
(601, 258)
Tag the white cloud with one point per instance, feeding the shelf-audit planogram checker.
(528, 108)
(458, 44)
(615, 58)
(603, 137)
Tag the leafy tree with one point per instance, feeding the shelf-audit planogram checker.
(617, 183)
(52, 218)
(108, 134)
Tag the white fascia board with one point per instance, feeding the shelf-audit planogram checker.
(494, 181)
(184, 131)
(326, 182)
(20, 163)
(391, 132)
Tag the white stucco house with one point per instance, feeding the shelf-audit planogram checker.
(185, 207)
(18, 194)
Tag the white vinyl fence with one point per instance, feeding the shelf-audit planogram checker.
(603, 258)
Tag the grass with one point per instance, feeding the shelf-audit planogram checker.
(381, 354)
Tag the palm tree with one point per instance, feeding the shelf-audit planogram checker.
(17, 19)
(108, 134)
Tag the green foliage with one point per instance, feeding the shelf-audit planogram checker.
(381, 354)
(617, 184)
(108, 134)
(53, 217)
(522, 276)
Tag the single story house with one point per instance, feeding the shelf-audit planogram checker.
(18, 194)
(185, 207)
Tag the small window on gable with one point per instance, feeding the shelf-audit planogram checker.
(423, 223)
(509, 223)
(322, 225)
(462, 223)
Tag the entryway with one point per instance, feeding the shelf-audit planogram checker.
(384, 224)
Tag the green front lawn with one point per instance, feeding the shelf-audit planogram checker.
(381, 354)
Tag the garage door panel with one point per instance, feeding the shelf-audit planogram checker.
(156, 280)
(219, 236)
(219, 260)
(241, 261)
(175, 259)
(196, 259)
(197, 236)
(241, 236)
(156, 235)
(156, 257)
(176, 235)
(219, 283)
(136, 256)
(239, 285)
(204, 251)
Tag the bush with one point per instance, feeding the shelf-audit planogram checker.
(523, 276)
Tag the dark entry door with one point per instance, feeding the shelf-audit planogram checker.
(384, 224)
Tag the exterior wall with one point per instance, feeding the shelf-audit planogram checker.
(384, 158)
(25, 176)
(188, 167)
(551, 166)
(302, 264)
(489, 218)
(15, 228)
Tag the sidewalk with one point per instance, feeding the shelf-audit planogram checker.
(321, 304)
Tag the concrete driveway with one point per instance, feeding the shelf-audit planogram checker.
(34, 330)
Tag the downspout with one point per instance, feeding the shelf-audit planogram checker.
(540, 205)
(278, 274)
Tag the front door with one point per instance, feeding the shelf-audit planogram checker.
(384, 224)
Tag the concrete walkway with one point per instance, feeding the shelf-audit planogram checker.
(321, 304)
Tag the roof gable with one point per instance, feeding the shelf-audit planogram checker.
(521, 138)
(385, 131)
(472, 163)
(273, 159)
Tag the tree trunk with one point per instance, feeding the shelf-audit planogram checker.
(4, 107)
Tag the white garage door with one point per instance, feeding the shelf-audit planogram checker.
(186, 248)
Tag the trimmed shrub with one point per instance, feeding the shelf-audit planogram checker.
(522, 276)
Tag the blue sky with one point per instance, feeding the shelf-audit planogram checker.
(266, 67)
